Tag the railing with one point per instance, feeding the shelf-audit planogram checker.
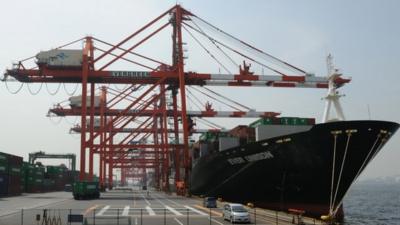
(146, 216)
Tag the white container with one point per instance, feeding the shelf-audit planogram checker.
(60, 58)
(227, 143)
(269, 131)
(76, 101)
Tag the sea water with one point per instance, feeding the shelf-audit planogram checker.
(373, 203)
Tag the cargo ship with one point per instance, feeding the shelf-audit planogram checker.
(287, 163)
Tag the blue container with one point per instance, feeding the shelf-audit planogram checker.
(3, 184)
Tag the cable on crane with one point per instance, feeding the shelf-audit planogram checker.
(194, 96)
(212, 97)
(217, 46)
(281, 62)
(70, 93)
(226, 98)
(13, 92)
(126, 97)
(131, 52)
(237, 52)
(128, 60)
(206, 50)
(53, 93)
(191, 100)
(36, 92)
(209, 123)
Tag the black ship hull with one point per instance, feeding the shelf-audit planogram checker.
(310, 171)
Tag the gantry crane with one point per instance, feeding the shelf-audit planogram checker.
(42, 155)
(157, 80)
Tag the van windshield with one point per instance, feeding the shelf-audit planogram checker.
(238, 208)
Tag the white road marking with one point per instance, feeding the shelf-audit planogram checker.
(217, 221)
(126, 211)
(150, 211)
(173, 211)
(180, 223)
(148, 203)
(103, 210)
(173, 202)
(196, 211)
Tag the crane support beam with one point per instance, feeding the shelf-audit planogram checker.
(158, 112)
(78, 129)
(47, 75)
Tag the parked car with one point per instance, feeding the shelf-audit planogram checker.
(236, 213)
(210, 202)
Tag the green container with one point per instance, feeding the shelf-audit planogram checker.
(3, 167)
(3, 157)
(262, 121)
(55, 170)
(85, 190)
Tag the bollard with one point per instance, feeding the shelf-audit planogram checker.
(141, 216)
(255, 216)
(70, 212)
(22, 216)
(187, 216)
(165, 219)
(94, 216)
(210, 216)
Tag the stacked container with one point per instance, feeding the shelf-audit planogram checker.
(10, 174)
(34, 179)
(244, 133)
(14, 172)
(57, 174)
(3, 174)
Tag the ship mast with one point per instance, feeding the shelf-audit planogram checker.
(333, 96)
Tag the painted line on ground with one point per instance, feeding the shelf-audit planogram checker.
(180, 223)
(90, 209)
(196, 211)
(147, 201)
(125, 212)
(208, 210)
(173, 211)
(173, 202)
(150, 211)
(103, 210)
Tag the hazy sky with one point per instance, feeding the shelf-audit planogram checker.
(363, 36)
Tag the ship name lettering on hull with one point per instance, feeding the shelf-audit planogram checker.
(251, 158)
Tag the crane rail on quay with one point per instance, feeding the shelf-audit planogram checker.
(158, 93)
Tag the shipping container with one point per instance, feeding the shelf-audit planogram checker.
(3, 184)
(293, 121)
(227, 143)
(269, 131)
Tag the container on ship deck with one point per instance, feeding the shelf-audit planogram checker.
(227, 143)
(245, 134)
